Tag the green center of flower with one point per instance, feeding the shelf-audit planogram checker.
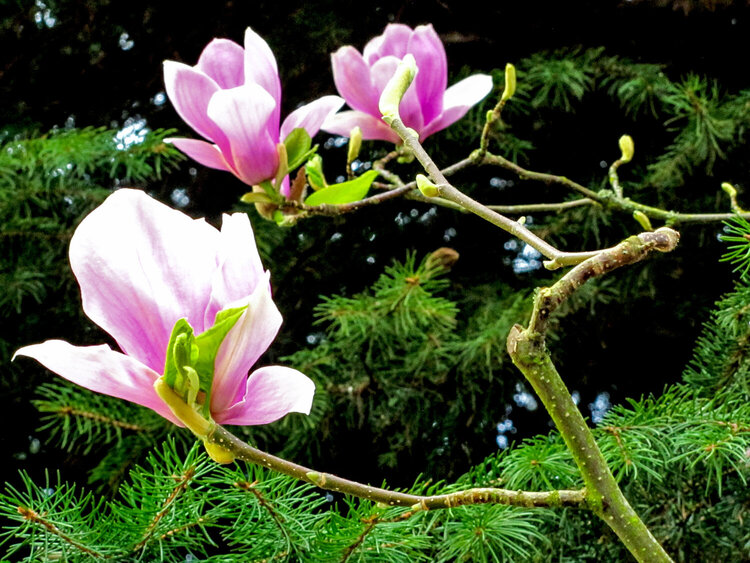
(191, 359)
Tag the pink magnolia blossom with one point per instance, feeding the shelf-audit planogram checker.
(427, 107)
(232, 97)
(143, 266)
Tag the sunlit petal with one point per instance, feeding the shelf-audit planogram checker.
(141, 267)
(244, 344)
(270, 393)
(102, 370)
(311, 116)
(224, 61)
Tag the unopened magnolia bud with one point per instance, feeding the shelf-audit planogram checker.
(443, 258)
(627, 147)
(355, 144)
(510, 82)
(729, 189)
(396, 88)
(643, 220)
(427, 188)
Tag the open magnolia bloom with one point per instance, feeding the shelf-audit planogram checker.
(427, 106)
(232, 97)
(182, 300)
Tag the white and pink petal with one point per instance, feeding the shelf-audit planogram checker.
(250, 337)
(142, 266)
(190, 92)
(458, 100)
(351, 74)
(245, 114)
(372, 128)
(224, 61)
(102, 370)
(239, 270)
(270, 393)
(311, 116)
(202, 152)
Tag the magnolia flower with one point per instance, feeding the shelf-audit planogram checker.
(232, 97)
(427, 107)
(143, 267)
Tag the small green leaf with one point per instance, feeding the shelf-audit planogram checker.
(208, 344)
(346, 192)
(314, 171)
(181, 327)
(256, 197)
(298, 150)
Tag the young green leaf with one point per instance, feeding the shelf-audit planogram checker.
(298, 147)
(346, 192)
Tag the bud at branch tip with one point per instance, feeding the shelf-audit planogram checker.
(627, 147)
(355, 144)
(729, 189)
(510, 82)
(397, 87)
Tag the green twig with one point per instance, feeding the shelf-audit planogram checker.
(241, 450)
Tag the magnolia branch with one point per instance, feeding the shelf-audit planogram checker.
(608, 199)
(446, 191)
(527, 349)
(240, 450)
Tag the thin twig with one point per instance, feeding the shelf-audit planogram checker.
(241, 450)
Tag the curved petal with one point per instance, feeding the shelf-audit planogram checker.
(243, 113)
(142, 266)
(261, 69)
(372, 127)
(271, 392)
(202, 152)
(311, 116)
(240, 270)
(409, 108)
(102, 370)
(432, 78)
(190, 92)
(458, 99)
(351, 74)
(224, 61)
(392, 42)
(243, 345)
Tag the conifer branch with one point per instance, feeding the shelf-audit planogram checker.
(266, 505)
(31, 516)
(183, 481)
(96, 417)
(371, 522)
